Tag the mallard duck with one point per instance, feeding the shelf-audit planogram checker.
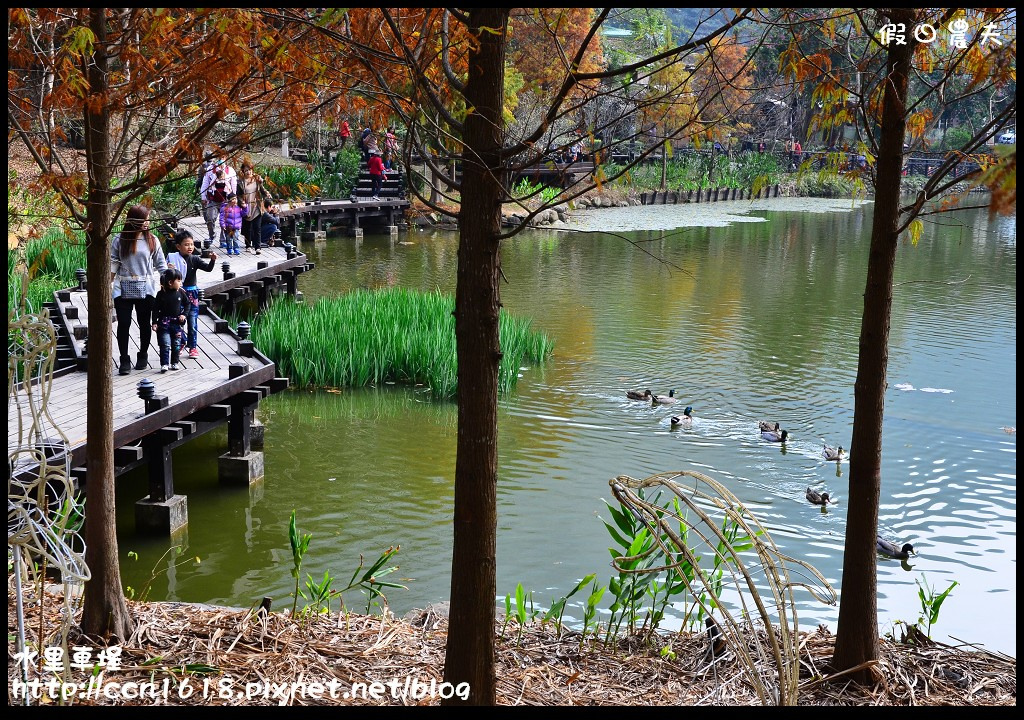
(637, 395)
(664, 399)
(684, 420)
(888, 549)
(766, 426)
(775, 435)
(831, 453)
(816, 498)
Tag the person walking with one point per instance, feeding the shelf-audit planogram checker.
(251, 195)
(345, 132)
(168, 316)
(191, 262)
(376, 168)
(210, 189)
(363, 142)
(390, 148)
(135, 258)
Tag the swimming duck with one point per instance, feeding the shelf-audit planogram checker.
(684, 420)
(888, 549)
(831, 453)
(664, 399)
(766, 426)
(816, 498)
(775, 435)
(637, 395)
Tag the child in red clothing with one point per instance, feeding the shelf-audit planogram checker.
(376, 168)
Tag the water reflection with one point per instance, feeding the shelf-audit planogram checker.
(761, 321)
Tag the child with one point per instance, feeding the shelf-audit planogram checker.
(168, 316)
(231, 217)
(186, 257)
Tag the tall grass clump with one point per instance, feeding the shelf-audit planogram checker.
(50, 261)
(368, 337)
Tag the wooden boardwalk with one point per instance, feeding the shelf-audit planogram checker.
(353, 214)
(229, 377)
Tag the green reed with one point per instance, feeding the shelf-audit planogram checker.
(50, 261)
(369, 337)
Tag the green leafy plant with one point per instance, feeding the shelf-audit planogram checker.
(154, 573)
(651, 576)
(368, 580)
(590, 611)
(557, 609)
(931, 603)
(319, 593)
(299, 546)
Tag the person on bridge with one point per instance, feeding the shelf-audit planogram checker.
(251, 196)
(271, 222)
(231, 217)
(208, 191)
(345, 133)
(186, 257)
(376, 168)
(134, 264)
(169, 309)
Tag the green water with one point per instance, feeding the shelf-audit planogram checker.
(757, 317)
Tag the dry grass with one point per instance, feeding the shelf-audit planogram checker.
(245, 647)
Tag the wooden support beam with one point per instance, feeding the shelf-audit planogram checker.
(169, 434)
(278, 384)
(127, 454)
(160, 466)
(188, 427)
(211, 413)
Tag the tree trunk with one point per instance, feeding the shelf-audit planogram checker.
(470, 651)
(469, 654)
(664, 166)
(857, 636)
(104, 611)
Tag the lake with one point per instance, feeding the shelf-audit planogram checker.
(749, 311)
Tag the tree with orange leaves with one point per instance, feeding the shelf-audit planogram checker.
(540, 44)
(148, 86)
(875, 69)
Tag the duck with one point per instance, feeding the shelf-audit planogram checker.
(888, 549)
(664, 399)
(816, 498)
(684, 420)
(775, 435)
(831, 453)
(766, 426)
(637, 395)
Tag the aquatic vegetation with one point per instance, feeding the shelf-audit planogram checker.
(370, 337)
(50, 262)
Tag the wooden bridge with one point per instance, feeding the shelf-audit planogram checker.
(223, 385)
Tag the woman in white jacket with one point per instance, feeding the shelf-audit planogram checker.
(134, 269)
